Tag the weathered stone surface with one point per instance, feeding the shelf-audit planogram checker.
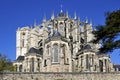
(60, 76)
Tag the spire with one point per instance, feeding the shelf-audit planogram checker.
(18, 28)
(31, 26)
(67, 14)
(86, 21)
(75, 15)
(79, 19)
(52, 15)
(35, 23)
(95, 28)
(44, 19)
(91, 22)
(61, 8)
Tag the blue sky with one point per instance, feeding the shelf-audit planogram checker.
(20, 13)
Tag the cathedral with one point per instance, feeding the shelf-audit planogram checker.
(61, 44)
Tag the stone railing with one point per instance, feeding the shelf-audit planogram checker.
(59, 76)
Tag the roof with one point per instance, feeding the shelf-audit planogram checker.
(61, 14)
(87, 47)
(56, 34)
(103, 55)
(35, 51)
(20, 58)
(116, 66)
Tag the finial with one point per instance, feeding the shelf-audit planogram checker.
(52, 15)
(44, 19)
(75, 15)
(86, 21)
(61, 8)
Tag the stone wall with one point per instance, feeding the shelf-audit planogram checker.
(60, 76)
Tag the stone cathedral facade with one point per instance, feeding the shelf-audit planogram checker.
(61, 44)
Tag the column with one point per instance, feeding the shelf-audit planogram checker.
(104, 65)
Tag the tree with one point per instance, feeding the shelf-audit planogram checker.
(109, 34)
(5, 63)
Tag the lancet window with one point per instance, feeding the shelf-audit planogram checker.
(55, 56)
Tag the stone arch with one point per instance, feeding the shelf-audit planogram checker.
(61, 23)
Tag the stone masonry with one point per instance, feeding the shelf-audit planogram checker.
(60, 76)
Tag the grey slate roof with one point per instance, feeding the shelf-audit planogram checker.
(87, 47)
(116, 66)
(37, 51)
(56, 34)
(20, 58)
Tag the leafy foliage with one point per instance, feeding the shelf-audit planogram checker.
(5, 63)
(109, 34)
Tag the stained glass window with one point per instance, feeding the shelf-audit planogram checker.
(55, 53)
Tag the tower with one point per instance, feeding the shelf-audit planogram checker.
(22, 36)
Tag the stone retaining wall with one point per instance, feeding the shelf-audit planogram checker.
(60, 76)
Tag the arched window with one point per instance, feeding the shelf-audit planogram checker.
(23, 40)
(87, 61)
(20, 68)
(45, 63)
(32, 64)
(92, 59)
(101, 65)
(55, 53)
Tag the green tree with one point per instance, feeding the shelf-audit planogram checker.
(109, 34)
(5, 63)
